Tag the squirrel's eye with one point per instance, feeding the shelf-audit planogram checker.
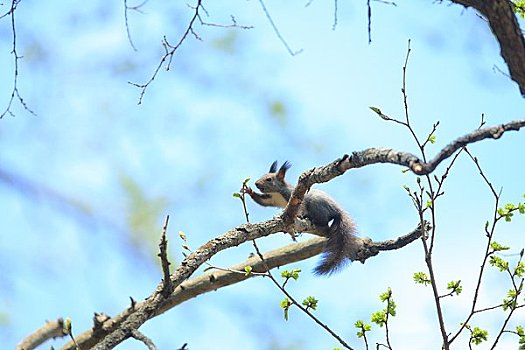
(268, 180)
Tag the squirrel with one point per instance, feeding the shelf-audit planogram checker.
(323, 211)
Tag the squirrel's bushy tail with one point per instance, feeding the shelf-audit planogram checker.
(340, 247)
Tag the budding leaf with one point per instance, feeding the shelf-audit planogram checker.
(379, 113)
(285, 305)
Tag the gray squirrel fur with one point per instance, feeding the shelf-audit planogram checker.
(320, 209)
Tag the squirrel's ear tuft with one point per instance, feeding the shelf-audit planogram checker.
(273, 167)
(283, 169)
(287, 165)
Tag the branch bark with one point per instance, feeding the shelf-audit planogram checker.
(505, 27)
(52, 329)
(217, 279)
(385, 155)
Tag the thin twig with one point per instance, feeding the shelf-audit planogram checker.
(334, 25)
(486, 256)
(169, 52)
(296, 303)
(141, 337)
(276, 30)
(14, 92)
(126, 9)
(369, 15)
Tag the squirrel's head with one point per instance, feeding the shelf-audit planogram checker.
(274, 180)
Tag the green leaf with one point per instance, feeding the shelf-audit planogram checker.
(386, 295)
(510, 206)
(432, 139)
(362, 328)
(520, 331)
(478, 335)
(392, 308)
(285, 305)
(237, 195)
(455, 287)
(511, 301)
(519, 8)
(246, 181)
(182, 235)
(291, 274)
(498, 262)
(310, 303)
(421, 278)
(498, 247)
(379, 318)
(520, 269)
(247, 270)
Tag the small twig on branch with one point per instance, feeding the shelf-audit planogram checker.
(141, 337)
(14, 92)
(163, 247)
(126, 9)
(276, 30)
(52, 329)
(169, 52)
(169, 49)
(374, 155)
(335, 15)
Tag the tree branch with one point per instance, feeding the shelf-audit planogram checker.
(52, 329)
(505, 27)
(217, 279)
(163, 254)
(385, 155)
(142, 338)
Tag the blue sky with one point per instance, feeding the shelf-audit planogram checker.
(206, 124)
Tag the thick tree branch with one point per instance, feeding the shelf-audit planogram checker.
(384, 155)
(52, 329)
(217, 279)
(504, 25)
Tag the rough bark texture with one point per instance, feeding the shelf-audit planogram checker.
(109, 330)
(505, 27)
